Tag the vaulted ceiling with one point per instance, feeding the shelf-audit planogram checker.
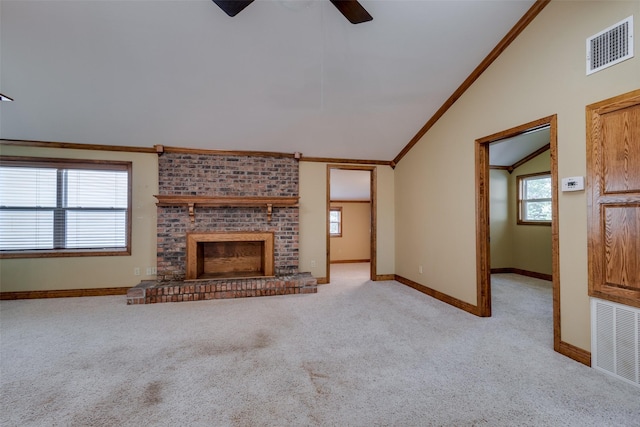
(282, 75)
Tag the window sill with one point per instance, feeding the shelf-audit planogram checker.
(547, 223)
(46, 253)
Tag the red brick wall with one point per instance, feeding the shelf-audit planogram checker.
(232, 176)
(216, 175)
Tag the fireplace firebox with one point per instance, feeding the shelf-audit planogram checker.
(229, 255)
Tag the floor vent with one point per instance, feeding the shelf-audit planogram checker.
(610, 46)
(615, 342)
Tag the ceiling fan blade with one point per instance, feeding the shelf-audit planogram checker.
(232, 7)
(352, 10)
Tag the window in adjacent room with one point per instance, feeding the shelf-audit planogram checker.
(534, 198)
(335, 222)
(60, 207)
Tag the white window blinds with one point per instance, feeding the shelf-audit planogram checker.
(49, 205)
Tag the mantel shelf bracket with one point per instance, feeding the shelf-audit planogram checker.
(269, 211)
(192, 214)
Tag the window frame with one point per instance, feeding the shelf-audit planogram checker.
(335, 209)
(60, 163)
(520, 201)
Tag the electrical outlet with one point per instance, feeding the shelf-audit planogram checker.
(136, 271)
(313, 263)
(420, 269)
(151, 271)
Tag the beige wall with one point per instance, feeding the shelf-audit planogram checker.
(540, 74)
(31, 274)
(500, 220)
(532, 250)
(313, 218)
(527, 247)
(313, 224)
(34, 274)
(386, 220)
(355, 242)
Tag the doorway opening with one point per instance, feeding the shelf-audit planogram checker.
(483, 204)
(346, 197)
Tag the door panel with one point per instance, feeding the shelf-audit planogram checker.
(622, 246)
(613, 195)
(622, 150)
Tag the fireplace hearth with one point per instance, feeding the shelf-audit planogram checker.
(152, 292)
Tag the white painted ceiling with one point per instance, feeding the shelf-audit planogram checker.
(350, 184)
(510, 151)
(281, 76)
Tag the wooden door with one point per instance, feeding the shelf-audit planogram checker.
(613, 195)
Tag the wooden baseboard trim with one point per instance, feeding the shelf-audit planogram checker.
(439, 295)
(521, 272)
(382, 277)
(349, 261)
(575, 353)
(64, 293)
(322, 280)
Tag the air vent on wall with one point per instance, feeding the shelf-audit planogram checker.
(615, 340)
(610, 46)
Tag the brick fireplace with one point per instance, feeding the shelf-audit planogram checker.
(223, 212)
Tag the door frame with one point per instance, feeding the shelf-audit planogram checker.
(483, 257)
(374, 217)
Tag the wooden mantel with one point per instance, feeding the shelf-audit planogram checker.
(225, 202)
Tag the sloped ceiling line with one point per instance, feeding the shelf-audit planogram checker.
(522, 161)
(493, 55)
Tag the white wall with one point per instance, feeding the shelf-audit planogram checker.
(540, 74)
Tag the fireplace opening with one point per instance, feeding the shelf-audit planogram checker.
(229, 255)
(230, 259)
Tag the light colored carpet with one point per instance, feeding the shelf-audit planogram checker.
(357, 353)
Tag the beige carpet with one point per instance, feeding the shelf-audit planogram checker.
(355, 354)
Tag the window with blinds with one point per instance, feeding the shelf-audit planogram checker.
(57, 207)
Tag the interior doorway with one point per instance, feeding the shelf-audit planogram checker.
(483, 255)
(370, 177)
(520, 204)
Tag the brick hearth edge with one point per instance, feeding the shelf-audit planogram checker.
(150, 291)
